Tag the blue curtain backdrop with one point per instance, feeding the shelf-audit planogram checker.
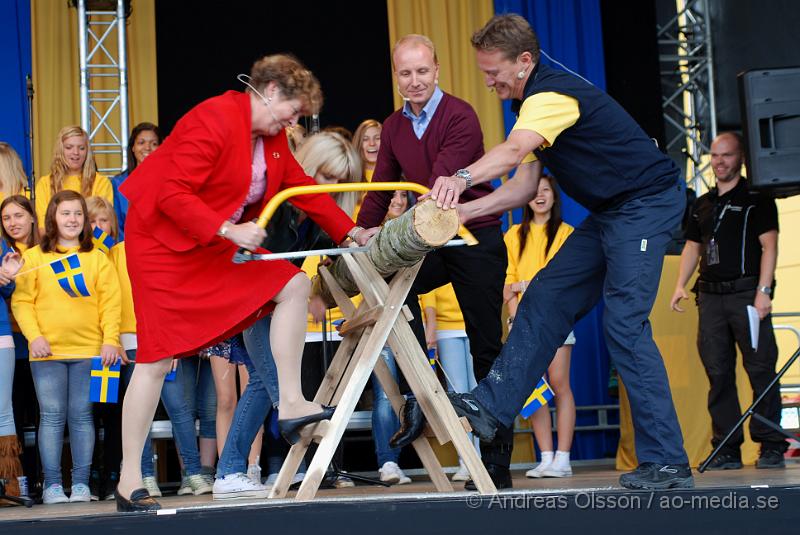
(570, 32)
(15, 59)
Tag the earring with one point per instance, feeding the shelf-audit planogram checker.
(436, 82)
(521, 75)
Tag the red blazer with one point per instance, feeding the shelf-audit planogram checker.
(201, 175)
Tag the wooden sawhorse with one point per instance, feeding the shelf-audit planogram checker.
(380, 318)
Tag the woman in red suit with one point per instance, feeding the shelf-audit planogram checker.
(191, 206)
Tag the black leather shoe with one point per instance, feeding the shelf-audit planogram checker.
(725, 461)
(290, 429)
(484, 425)
(411, 424)
(501, 477)
(770, 459)
(140, 501)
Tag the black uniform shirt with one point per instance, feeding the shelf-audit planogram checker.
(743, 216)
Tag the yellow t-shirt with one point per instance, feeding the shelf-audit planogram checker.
(120, 261)
(74, 302)
(547, 114)
(368, 174)
(20, 247)
(310, 267)
(448, 313)
(101, 188)
(533, 257)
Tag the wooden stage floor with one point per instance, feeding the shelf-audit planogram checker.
(585, 479)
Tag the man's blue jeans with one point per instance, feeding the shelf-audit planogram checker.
(617, 255)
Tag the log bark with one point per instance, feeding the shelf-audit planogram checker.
(402, 242)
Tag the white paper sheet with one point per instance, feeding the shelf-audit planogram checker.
(755, 322)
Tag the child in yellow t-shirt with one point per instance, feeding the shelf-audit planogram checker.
(67, 303)
(530, 246)
(73, 168)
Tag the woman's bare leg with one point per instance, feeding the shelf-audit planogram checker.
(138, 409)
(287, 338)
(224, 374)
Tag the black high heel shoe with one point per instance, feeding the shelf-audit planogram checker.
(290, 429)
(140, 501)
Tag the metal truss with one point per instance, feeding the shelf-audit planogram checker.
(104, 81)
(687, 79)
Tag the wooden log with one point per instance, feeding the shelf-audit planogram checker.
(402, 242)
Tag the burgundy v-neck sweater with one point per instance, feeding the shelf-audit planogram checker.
(452, 141)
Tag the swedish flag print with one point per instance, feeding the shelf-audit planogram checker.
(539, 398)
(101, 240)
(104, 382)
(70, 276)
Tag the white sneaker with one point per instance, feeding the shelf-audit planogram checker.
(343, 482)
(254, 473)
(392, 474)
(199, 484)
(80, 493)
(557, 470)
(151, 485)
(54, 494)
(462, 474)
(185, 487)
(537, 472)
(238, 485)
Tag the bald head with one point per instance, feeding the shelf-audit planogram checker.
(726, 156)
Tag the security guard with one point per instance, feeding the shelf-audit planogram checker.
(734, 233)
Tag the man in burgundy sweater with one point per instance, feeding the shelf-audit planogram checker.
(436, 134)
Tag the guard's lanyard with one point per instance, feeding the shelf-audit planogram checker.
(712, 250)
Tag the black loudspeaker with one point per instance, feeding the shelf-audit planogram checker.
(770, 104)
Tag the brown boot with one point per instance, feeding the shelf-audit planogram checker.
(10, 466)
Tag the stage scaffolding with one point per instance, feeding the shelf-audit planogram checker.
(104, 80)
(687, 79)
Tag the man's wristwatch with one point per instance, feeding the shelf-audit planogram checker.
(466, 175)
(766, 290)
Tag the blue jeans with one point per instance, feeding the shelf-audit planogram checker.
(384, 419)
(7, 363)
(198, 388)
(457, 363)
(62, 388)
(618, 255)
(182, 419)
(259, 396)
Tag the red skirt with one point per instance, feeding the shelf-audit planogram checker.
(188, 300)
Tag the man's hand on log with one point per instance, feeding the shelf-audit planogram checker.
(362, 236)
(446, 191)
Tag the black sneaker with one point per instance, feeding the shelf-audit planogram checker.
(725, 461)
(770, 459)
(95, 486)
(484, 425)
(500, 475)
(653, 476)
